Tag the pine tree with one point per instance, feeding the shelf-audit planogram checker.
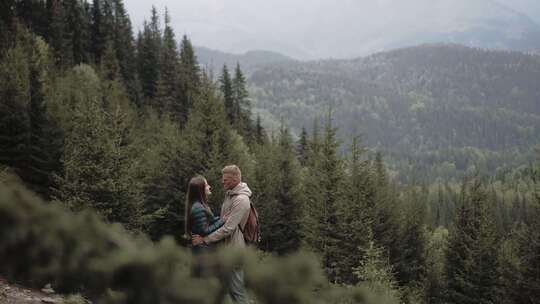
(120, 118)
(260, 134)
(324, 194)
(265, 187)
(381, 176)
(439, 219)
(107, 22)
(472, 257)
(208, 127)
(241, 104)
(96, 154)
(14, 107)
(98, 36)
(190, 78)
(124, 46)
(148, 56)
(30, 136)
(32, 14)
(77, 23)
(302, 147)
(162, 174)
(383, 209)
(313, 221)
(227, 92)
(45, 134)
(109, 68)
(69, 31)
(167, 96)
(110, 24)
(410, 266)
(355, 224)
(7, 12)
(436, 248)
(290, 195)
(123, 41)
(59, 36)
(375, 275)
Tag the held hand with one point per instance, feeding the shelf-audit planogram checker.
(196, 240)
(225, 217)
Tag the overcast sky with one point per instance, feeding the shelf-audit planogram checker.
(322, 28)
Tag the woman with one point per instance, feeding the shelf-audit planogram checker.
(199, 217)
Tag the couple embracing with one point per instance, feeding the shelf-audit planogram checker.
(206, 229)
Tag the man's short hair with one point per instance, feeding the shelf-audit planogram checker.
(232, 170)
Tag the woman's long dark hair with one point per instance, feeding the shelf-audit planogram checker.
(196, 192)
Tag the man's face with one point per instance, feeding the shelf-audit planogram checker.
(229, 181)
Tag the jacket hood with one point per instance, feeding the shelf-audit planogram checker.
(241, 188)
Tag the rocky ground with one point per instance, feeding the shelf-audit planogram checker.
(16, 294)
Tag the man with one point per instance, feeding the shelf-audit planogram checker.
(236, 206)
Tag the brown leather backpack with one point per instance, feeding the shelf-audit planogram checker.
(251, 231)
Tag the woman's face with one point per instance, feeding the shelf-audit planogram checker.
(207, 188)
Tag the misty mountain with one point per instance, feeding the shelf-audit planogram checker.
(432, 109)
(350, 28)
(531, 8)
(214, 59)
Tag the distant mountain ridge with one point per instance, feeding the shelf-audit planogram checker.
(352, 28)
(250, 60)
(439, 105)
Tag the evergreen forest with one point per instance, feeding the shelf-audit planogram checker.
(101, 129)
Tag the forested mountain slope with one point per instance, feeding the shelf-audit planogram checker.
(440, 107)
(252, 60)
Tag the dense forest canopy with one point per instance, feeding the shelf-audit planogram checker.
(439, 110)
(102, 128)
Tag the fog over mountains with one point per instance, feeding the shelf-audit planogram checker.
(531, 8)
(348, 28)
